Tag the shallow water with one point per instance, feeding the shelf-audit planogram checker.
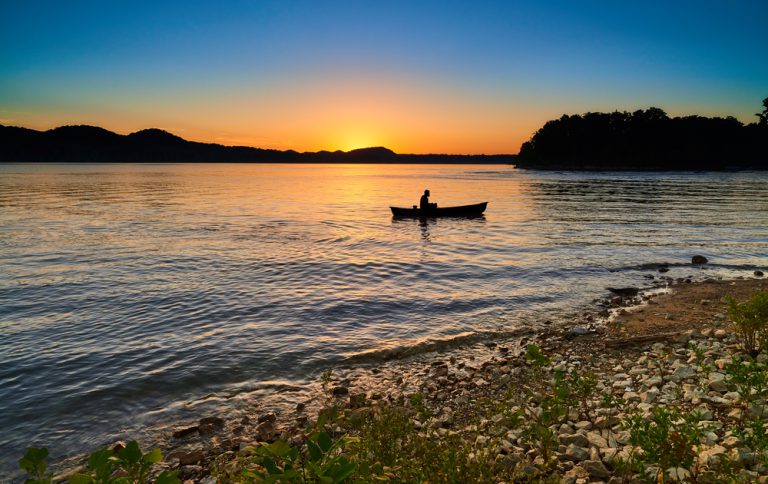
(135, 294)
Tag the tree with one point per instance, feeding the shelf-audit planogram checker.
(764, 115)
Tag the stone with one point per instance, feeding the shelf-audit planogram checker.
(576, 454)
(721, 333)
(340, 390)
(624, 291)
(574, 439)
(577, 474)
(683, 372)
(595, 468)
(216, 421)
(183, 432)
(577, 331)
(758, 273)
(717, 382)
(583, 425)
(189, 458)
(267, 417)
(649, 396)
(699, 259)
(596, 440)
(711, 455)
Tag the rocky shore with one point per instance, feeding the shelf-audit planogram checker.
(639, 351)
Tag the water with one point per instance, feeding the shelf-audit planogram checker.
(138, 294)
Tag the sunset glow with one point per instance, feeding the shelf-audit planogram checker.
(429, 79)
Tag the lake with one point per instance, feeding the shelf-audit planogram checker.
(137, 294)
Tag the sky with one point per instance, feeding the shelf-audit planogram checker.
(414, 76)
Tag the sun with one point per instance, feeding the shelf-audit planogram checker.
(352, 141)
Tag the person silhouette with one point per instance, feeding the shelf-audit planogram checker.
(424, 202)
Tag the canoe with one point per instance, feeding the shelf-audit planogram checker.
(461, 211)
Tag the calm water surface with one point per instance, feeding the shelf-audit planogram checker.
(134, 294)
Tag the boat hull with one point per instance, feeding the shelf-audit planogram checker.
(461, 211)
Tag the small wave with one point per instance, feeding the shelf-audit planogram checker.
(426, 346)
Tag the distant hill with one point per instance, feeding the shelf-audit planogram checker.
(90, 144)
(647, 140)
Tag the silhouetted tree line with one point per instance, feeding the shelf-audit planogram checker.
(89, 144)
(647, 140)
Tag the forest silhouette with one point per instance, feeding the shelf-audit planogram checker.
(90, 144)
(647, 140)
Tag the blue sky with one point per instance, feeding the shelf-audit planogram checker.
(485, 74)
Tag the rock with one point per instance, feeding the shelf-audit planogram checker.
(663, 269)
(577, 474)
(583, 425)
(624, 291)
(721, 333)
(595, 468)
(699, 259)
(340, 390)
(265, 431)
(192, 457)
(683, 372)
(183, 432)
(649, 396)
(758, 273)
(215, 421)
(577, 331)
(574, 439)
(717, 382)
(267, 417)
(596, 440)
(743, 456)
(576, 454)
(711, 455)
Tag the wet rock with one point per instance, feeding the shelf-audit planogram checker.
(267, 417)
(183, 432)
(216, 421)
(624, 291)
(577, 331)
(265, 431)
(699, 259)
(340, 391)
(758, 273)
(189, 458)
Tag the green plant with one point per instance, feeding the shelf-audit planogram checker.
(750, 320)
(750, 379)
(755, 437)
(668, 439)
(417, 402)
(129, 466)
(35, 465)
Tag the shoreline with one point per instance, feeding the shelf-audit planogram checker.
(452, 379)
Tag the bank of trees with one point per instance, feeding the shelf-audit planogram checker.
(648, 139)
